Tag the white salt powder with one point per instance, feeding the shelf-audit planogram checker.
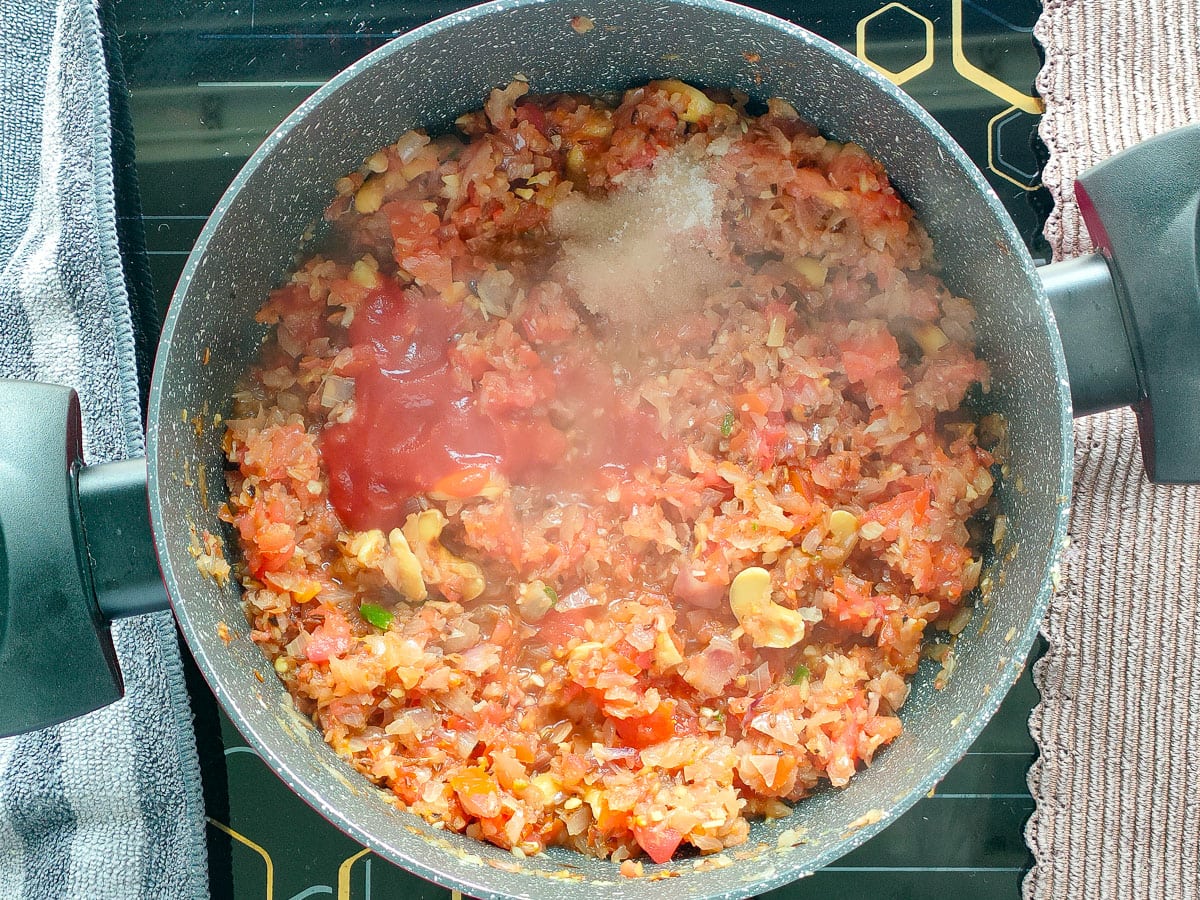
(644, 252)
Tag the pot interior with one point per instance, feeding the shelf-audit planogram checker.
(429, 77)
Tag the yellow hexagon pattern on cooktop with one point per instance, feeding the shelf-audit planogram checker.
(883, 14)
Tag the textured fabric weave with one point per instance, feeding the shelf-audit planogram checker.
(109, 805)
(1117, 783)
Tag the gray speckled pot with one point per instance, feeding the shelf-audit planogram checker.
(428, 77)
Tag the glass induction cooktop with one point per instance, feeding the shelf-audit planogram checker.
(209, 80)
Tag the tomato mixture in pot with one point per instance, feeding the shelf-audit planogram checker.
(600, 479)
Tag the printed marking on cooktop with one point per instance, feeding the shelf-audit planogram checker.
(890, 19)
(997, 162)
(978, 76)
(924, 64)
(257, 848)
(996, 17)
(229, 751)
(343, 891)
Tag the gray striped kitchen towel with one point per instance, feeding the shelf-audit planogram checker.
(109, 805)
(1117, 784)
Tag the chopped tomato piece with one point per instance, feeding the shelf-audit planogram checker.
(468, 482)
(276, 545)
(477, 792)
(556, 628)
(889, 513)
(864, 356)
(660, 843)
(752, 403)
(531, 113)
(644, 731)
(331, 638)
(612, 820)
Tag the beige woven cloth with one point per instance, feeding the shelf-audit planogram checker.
(1118, 781)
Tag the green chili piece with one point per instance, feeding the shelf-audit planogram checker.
(727, 425)
(376, 615)
(799, 674)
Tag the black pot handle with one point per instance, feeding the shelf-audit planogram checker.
(1129, 315)
(76, 551)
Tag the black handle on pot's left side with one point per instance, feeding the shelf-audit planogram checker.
(1129, 314)
(75, 552)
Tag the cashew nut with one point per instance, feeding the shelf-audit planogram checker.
(576, 163)
(931, 338)
(370, 196)
(366, 547)
(365, 272)
(392, 557)
(698, 104)
(402, 568)
(766, 622)
(534, 600)
(439, 565)
(842, 534)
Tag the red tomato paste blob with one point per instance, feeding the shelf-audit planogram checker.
(419, 425)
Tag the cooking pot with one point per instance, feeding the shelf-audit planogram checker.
(80, 548)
